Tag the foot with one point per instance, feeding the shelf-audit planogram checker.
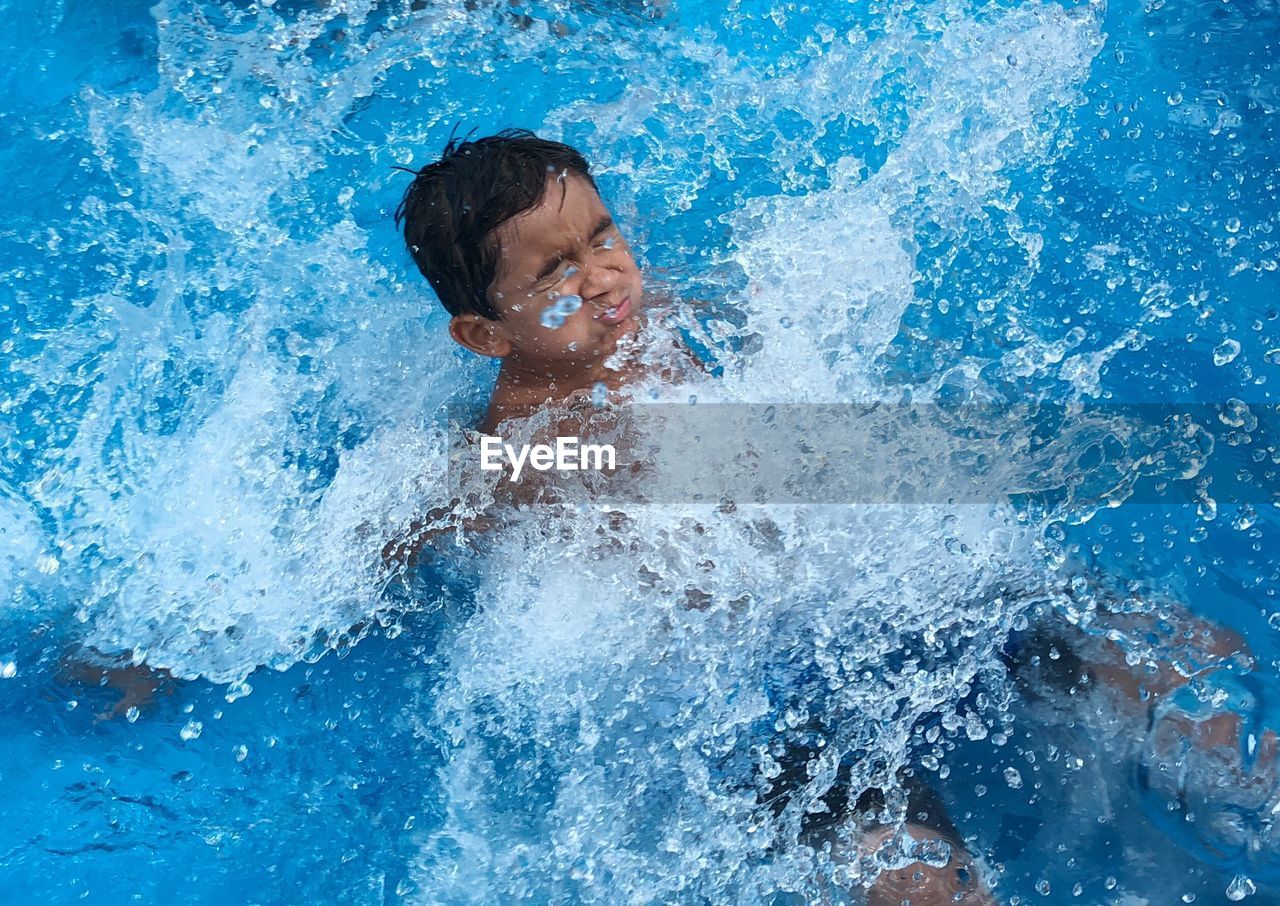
(921, 866)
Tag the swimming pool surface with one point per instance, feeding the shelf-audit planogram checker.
(220, 392)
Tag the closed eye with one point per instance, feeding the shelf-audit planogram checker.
(604, 236)
(549, 271)
(563, 271)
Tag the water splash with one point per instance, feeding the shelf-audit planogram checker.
(234, 402)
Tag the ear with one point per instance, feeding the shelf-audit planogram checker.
(480, 335)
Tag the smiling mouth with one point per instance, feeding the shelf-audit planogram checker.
(617, 314)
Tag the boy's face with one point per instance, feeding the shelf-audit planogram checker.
(566, 285)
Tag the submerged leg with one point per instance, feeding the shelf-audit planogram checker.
(136, 683)
(1209, 772)
(1184, 699)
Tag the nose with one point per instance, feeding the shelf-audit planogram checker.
(598, 282)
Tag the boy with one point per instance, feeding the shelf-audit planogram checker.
(513, 236)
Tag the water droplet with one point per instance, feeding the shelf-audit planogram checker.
(1013, 778)
(1274, 621)
(192, 730)
(1042, 888)
(346, 194)
(8, 670)
(1233, 224)
(554, 316)
(608, 244)
(242, 752)
(1240, 887)
(785, 322)
(1225, 352)
(132, 713)
(599, 394)
(1174, 99)
(1236, 414)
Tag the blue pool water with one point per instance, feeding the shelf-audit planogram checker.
(220, 374)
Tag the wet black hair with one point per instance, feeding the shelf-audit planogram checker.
(451, 211)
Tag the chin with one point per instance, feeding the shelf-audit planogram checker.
(620, 330)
